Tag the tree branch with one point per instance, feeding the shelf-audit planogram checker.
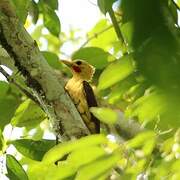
(44, 82)
(116, 25)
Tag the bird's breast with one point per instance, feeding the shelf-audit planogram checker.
(76, 92)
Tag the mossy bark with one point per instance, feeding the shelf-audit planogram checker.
(46, 86)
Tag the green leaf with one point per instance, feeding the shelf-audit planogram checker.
(173, 10)
(8, 105)
(146, 140)
(1, 141)
(33, 149)
(28, 114)
(140, 139)
(105, 5)
(121, 88)
(62, 149)
(137, 168)
(4, 86)
(51, 20)
(98, 168)
(77, 159)
(148, 107)
(52, 59)
(178, 3)
(87, 155)
(103, 40)
(105, 115)
(93, 55)
(21, 9)
(14, 168)
(127, 30)
(34, 11)
(116, 72)
(136, 91)
(52, 3)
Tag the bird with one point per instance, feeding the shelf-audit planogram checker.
(81, 92)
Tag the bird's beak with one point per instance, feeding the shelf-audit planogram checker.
(68, 63)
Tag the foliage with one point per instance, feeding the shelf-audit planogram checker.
(139, 78)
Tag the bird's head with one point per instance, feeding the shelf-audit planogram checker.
(80, 69)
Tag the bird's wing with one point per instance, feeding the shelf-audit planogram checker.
(91, 101)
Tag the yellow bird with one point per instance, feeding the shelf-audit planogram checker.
(81, 92)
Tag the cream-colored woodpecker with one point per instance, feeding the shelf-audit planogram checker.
(81, 92)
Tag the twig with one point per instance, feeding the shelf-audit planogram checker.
(9, 79)
(97, 34)
(116, 25)
(92, 3)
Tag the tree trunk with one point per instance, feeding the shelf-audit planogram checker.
(40, 77)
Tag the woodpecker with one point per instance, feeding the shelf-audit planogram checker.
(81, 93)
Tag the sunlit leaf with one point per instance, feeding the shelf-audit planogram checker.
(178, 3)
(53, 4)
(64, 171)
(148, 107)
(38, 170)
(95, 56)
(97, 168)
(69, 168)
(28, 114)
(33, 149)
(145, 140)
(140, 139)
(14, 168)
(167, 145)
(136, 91)
(37, 32)
(105, 115)
(62, 149)
(121, 88)
(105, 39)
(116, 72)
(137, 168)
(127, 31)
(87, 155)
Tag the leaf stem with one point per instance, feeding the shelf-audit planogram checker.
(116, 25)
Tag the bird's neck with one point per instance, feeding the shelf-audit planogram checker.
(78, 78)
(74, 84)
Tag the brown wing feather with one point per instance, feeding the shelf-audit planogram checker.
(91, 101)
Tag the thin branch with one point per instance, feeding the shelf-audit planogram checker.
(11, 80)
(116, 25)
(97, 34)
(94, 4)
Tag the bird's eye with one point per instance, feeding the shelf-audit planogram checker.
(78, 62)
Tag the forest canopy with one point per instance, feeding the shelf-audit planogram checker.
(134, 48)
